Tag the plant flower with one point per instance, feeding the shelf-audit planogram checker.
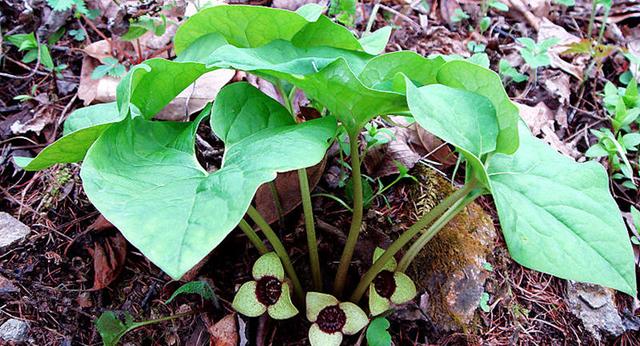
(332, 319)
(389, 288)
(268, 292)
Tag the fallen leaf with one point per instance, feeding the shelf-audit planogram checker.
(288, 187)
(197, 95)
(536, 117)
(109, 254)
(547, 30)
(42, 117)
(435, 148)
(224, 332)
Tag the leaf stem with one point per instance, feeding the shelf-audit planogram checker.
(279, 249)
(427, 235)
(309, 224)
(253, 237)
(277, 203)
(356, 220)
(406, 237)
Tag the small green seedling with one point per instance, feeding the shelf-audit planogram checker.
(110, 67)
(79, 5)
(378, 333)
(78, 35)
(459, 15)
(268, 292)
(344, 11)
(331, 319)
(144, 177)
(536, 54)
(390, 287)
(484, 302)
(201, 288)
(509, 72)
(28, 43)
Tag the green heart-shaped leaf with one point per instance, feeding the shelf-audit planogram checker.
(143, 176)
(558, 217)
(81, 129)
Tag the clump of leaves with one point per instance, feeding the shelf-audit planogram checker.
(29, 44)
(79, 5)
(557, 215)
(344, 11)
(459, 15)
(623, 108)
(536, 54)
(144, 24)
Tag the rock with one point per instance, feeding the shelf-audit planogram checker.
(14, 330)
(11, 230)
(595, 306)
(450, 267)
(7, 287)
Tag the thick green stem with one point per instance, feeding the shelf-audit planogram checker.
(276, 202)
(253, 237)
(356, 220)
(309, 224)
(279, 249)
(406, 237)
(427, 235)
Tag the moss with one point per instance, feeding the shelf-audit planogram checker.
(453, 252)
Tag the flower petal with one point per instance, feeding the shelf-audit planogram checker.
(319, 338)
(317, 301)
(268, 265)
(377, 303)
(246, 302)
(283, 308)
(356, 318)
(405, 289)
(390, 265)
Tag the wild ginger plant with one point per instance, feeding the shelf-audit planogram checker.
(557, 215)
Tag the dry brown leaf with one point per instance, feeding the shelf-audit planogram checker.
(109, 254)
(288, 188)
(567, 149)
(536, 117)
(42, 117)
(224, 332)
(549, 30)
(197, 95)
(380, 161)
(522, 9)
(436, 149)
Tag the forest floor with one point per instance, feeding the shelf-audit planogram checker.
(74, 265)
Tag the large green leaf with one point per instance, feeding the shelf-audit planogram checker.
(462, 118)
(558, 217)
(471, 77)
(81, 129)
(325, 74)
(382, 71)
(150, 86)
(143, 176)
(255, 26)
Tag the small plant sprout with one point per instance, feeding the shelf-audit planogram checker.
(390, 287)
(268, 292)
(331, 319)
(536, 54)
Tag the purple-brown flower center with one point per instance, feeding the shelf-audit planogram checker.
(385, 284)
(268, 290)
(331, 319)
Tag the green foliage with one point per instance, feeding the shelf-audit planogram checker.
(110, 67)
(28, 43)
(567, 3)
(459, 15)
(535, 54)
(484, 302)
(344, 11)
(201, 288)
(112, 328)
(507, 71)
(498, 5)
(63, 5)
(78, 35)
(144, 24)
(377, 333)
(557, 215)
(485, 22)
